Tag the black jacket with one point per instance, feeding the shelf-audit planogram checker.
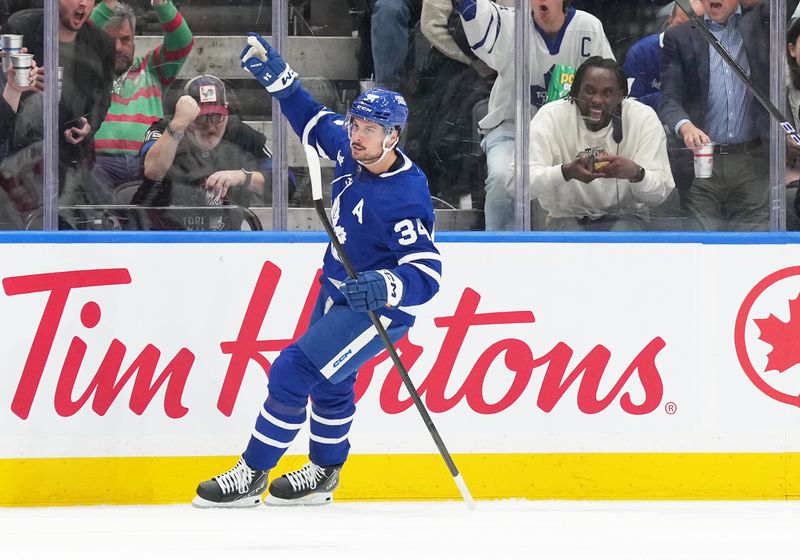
(88, 77)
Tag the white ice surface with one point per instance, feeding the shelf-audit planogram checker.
(414, 531)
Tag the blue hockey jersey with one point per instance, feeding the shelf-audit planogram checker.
(383, 221)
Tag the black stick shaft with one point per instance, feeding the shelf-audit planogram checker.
(384, 336)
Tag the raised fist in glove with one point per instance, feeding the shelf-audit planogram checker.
(266, 64)
(372, 290)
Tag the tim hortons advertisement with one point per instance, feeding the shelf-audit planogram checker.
(165, 349)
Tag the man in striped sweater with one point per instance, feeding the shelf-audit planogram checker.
(136, 100)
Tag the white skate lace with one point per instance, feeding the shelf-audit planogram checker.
(238, 478)
(307, 477)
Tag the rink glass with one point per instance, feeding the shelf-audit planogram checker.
(325, 41)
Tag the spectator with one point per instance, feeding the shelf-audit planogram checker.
(643, 61)
(391, 32)
(13, 196)
(203, 156)
(86, 55)
(139, 86)
(615, 189)
(793, 100)
(382, 216)
(9, 103)
(643, 67)
(793, 86)
(562, 35)
(702, 101)
(441, 131)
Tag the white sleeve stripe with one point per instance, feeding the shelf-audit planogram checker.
(271, 442)
(311, 124)
(420, 257)
(329, 441)
(429, 271)
(331, 421)
(279, 423)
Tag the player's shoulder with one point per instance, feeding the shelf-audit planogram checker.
(409, 173)
(405, 184)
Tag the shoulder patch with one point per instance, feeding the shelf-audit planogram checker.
(152, 135)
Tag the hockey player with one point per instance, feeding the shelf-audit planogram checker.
(561, 35)
(382, 215)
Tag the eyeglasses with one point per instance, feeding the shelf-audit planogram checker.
(214, 118)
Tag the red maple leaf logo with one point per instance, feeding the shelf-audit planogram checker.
(783, 337)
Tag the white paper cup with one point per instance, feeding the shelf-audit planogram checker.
(22, 67)
(704, 161)
(11, 44)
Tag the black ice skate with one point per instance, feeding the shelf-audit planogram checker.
(310, 486)
(239, 487)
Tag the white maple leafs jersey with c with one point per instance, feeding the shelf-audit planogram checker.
(382, 221)
(491, 37)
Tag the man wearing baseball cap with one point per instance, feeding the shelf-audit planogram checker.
(204, 156)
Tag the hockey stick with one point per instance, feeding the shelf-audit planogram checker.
(316, 193)
(785, 123)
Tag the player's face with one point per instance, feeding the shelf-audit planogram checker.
(599, 97)
(366, 140)
(72, 14)
(207, 130)
(124, 42)
(720, 10)
(549, 14)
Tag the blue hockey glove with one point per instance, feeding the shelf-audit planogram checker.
(467, 8)
(372, 290)
(264, 62)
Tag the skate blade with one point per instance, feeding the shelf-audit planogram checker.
(316, 499)
(251, 501)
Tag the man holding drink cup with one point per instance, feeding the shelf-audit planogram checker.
(19, 78)
(86, 55)
(705, 104)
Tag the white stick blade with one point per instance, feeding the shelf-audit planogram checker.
(257, 48)
(314, 172)
(462, 487)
